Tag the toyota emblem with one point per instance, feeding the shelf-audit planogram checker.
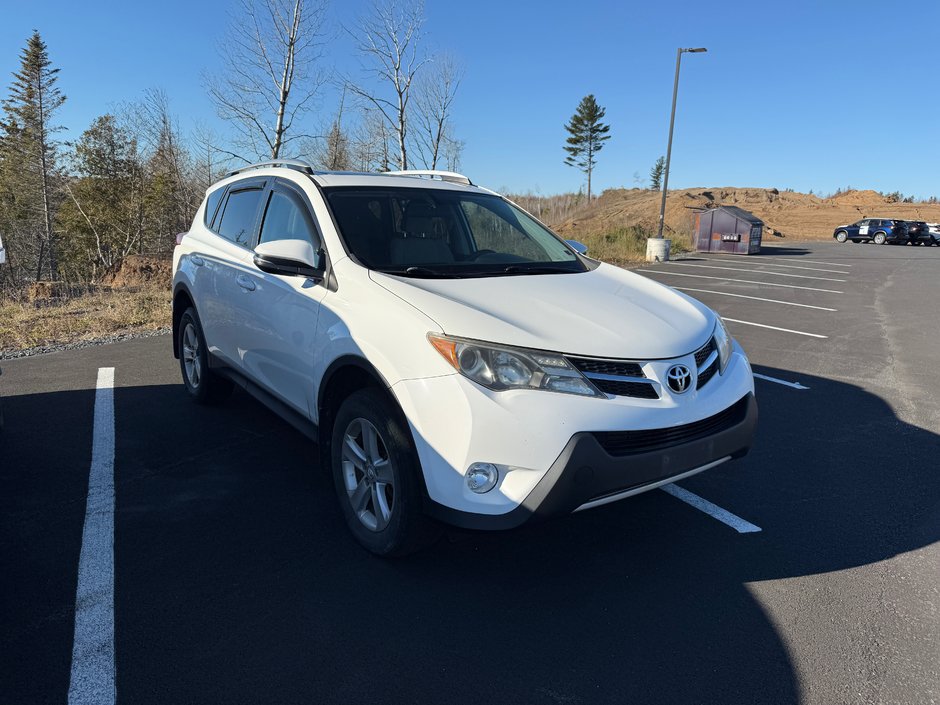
(679, 378)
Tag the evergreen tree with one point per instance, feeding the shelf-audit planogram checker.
(104, 212)
(656, 174)
(28, 158)
(587, 137)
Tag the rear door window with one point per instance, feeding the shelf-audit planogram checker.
(239, 219)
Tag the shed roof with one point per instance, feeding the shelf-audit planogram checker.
(738, 213)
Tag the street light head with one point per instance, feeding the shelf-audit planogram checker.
(699, 50)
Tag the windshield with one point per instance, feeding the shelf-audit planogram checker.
(437, 233)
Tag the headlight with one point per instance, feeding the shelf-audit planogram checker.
(723, 341)
(499, 368)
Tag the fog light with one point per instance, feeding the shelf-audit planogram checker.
(482, 477)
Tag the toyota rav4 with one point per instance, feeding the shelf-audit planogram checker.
(454, 359)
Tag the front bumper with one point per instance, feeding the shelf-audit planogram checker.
(587, 475)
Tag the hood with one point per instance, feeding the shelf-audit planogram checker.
(607, 312)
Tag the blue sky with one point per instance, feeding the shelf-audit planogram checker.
(803, 95)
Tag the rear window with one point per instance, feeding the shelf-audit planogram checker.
(240, 215)
(212, 204)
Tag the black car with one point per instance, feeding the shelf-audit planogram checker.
(918, 233)
(877, 230)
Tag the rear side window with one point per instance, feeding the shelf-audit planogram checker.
(212, 205)
(287, 218)
(240, 216)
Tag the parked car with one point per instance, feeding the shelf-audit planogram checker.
(454, 358)
(934, 230)
(877, 230)
(918, 232)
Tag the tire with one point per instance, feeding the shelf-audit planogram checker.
(842, 236)
(880, 238)
(376, 473)
(202, 384)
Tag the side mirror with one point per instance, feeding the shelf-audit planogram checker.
(290, 258)
(578, 247)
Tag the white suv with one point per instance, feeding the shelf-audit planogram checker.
(454, 359)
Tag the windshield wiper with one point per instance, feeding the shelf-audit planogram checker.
(543, 269)
(420, 272)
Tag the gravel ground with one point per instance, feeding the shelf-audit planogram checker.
(79, 344)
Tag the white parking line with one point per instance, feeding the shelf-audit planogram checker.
(713, 510)
(758, 263)
(755, 298)
(815, 261)
(740, 281)
(92, 676)
(793, 385)
(752, 271)
(764, 325)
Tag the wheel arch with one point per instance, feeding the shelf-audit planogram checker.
(182, 300)
(345, 375)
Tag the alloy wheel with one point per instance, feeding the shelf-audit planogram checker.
(191, 361)
(367, 475)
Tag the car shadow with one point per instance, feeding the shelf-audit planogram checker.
(236, 580)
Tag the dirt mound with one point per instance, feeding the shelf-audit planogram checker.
(142, 270)
(859, 198)
(790, 214)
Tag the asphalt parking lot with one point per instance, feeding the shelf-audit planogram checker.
(806, 572)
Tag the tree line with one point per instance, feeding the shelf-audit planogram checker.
(71, 210)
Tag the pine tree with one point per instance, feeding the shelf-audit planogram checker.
(29, 153)
(588, 135)
(656, 174)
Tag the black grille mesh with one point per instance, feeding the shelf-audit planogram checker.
(706, 374)
(621, 443)
(607, 367)
(703, 352)
(641, 390)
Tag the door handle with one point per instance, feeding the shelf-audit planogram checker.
(245, 282)
(197, 260)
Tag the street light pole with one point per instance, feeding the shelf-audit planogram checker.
(672, 122)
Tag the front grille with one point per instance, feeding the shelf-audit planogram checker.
(621, 443)
(706, 374)
(631, 374)
(703, 352)
(623, 388)
(607, 367)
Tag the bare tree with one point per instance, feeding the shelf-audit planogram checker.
(434, 98)
(270, 78)
(453, 151)
(389, 39)
(370, 142)
(211, 161)
(335, 154)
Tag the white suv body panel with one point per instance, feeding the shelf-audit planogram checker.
(287, 332)
(607, 312)
(456, 422)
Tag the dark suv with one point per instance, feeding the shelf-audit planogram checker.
(877, 230)
(918, 233)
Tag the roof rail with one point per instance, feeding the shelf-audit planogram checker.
(296, 164)
(450, 176)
